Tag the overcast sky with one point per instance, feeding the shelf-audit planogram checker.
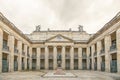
(59, 14)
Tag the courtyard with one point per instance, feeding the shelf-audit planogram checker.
(81, 75)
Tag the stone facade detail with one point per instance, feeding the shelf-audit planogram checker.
(42, 50)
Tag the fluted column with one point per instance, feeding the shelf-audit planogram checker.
(55, 57)
(98, 56)
(11, 56)
(107, 55)
(20, 56)
(80, 58)
(25, 59)
(88, 59)
(72, 58)
(1, 45)
(118, 49)
(63, 57)
(30, 64)
(46, 58)
(38, 58)
(93, 60)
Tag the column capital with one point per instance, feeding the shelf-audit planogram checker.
(38, 47)
(107, 35)
(79, 47)
(54, 45)
(63, 45)
(72, 46)
(46, 46)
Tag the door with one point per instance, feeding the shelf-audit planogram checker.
(15, 66)
(102, 66)
(4, 66)
(113, 66)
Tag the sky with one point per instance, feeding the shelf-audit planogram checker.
(59, 14)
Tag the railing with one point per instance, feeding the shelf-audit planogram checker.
(50, 56)
(23, 53)
(28, 55)
(102, 51)
(75, 56)
(67, 56)
(90, 55)
(16, 50)
(5, 48)
(42, 56)
(113, 48)
(84, 56)
(34, 56)
(95, 53)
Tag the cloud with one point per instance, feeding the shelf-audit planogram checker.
(59, 14)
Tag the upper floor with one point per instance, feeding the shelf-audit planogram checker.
(39, 37)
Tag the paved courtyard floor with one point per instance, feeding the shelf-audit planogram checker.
(81, 75)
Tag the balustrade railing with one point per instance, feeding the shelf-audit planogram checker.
(113, 48)
(34, 56)
(95, 53)
(5, 48)
(102, 51)
(42, 56)
(84, 56)
(67, 56)
(15, 50)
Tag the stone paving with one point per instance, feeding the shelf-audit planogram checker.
(81, 75)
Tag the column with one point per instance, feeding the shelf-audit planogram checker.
(88, 59)
(72, 58)
(19, 57)
(55, 57)
(11, 56)
(80, 58)
(107, 55)
(25, 59)
(30, 53)
(118, 50)
(93, 50)
(98, 56)
(38, 58)
(63, 57)
(1, 43)
(46, 58)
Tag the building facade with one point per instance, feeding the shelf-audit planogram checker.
(78, 50)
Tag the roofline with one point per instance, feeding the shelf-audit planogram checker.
(13, 27)
(109, 24)
(103, 29)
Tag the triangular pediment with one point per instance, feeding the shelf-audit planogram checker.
(59, 38)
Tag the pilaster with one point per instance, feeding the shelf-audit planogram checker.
(80, 58)
(38, 58)
(98, 56)
(93, 60)
(118, 49)
(107, 55)
(88, 59)
(63, 57)
(25, 59)
(1, 45)
(11, 56)
(20, 56)
(30, 53)
(72, 58)
(46, 57)
(55, 57)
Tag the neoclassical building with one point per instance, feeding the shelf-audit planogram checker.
(77, 50)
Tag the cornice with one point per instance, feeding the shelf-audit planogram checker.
(106, 27)
(102, 30)
(13, 27)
